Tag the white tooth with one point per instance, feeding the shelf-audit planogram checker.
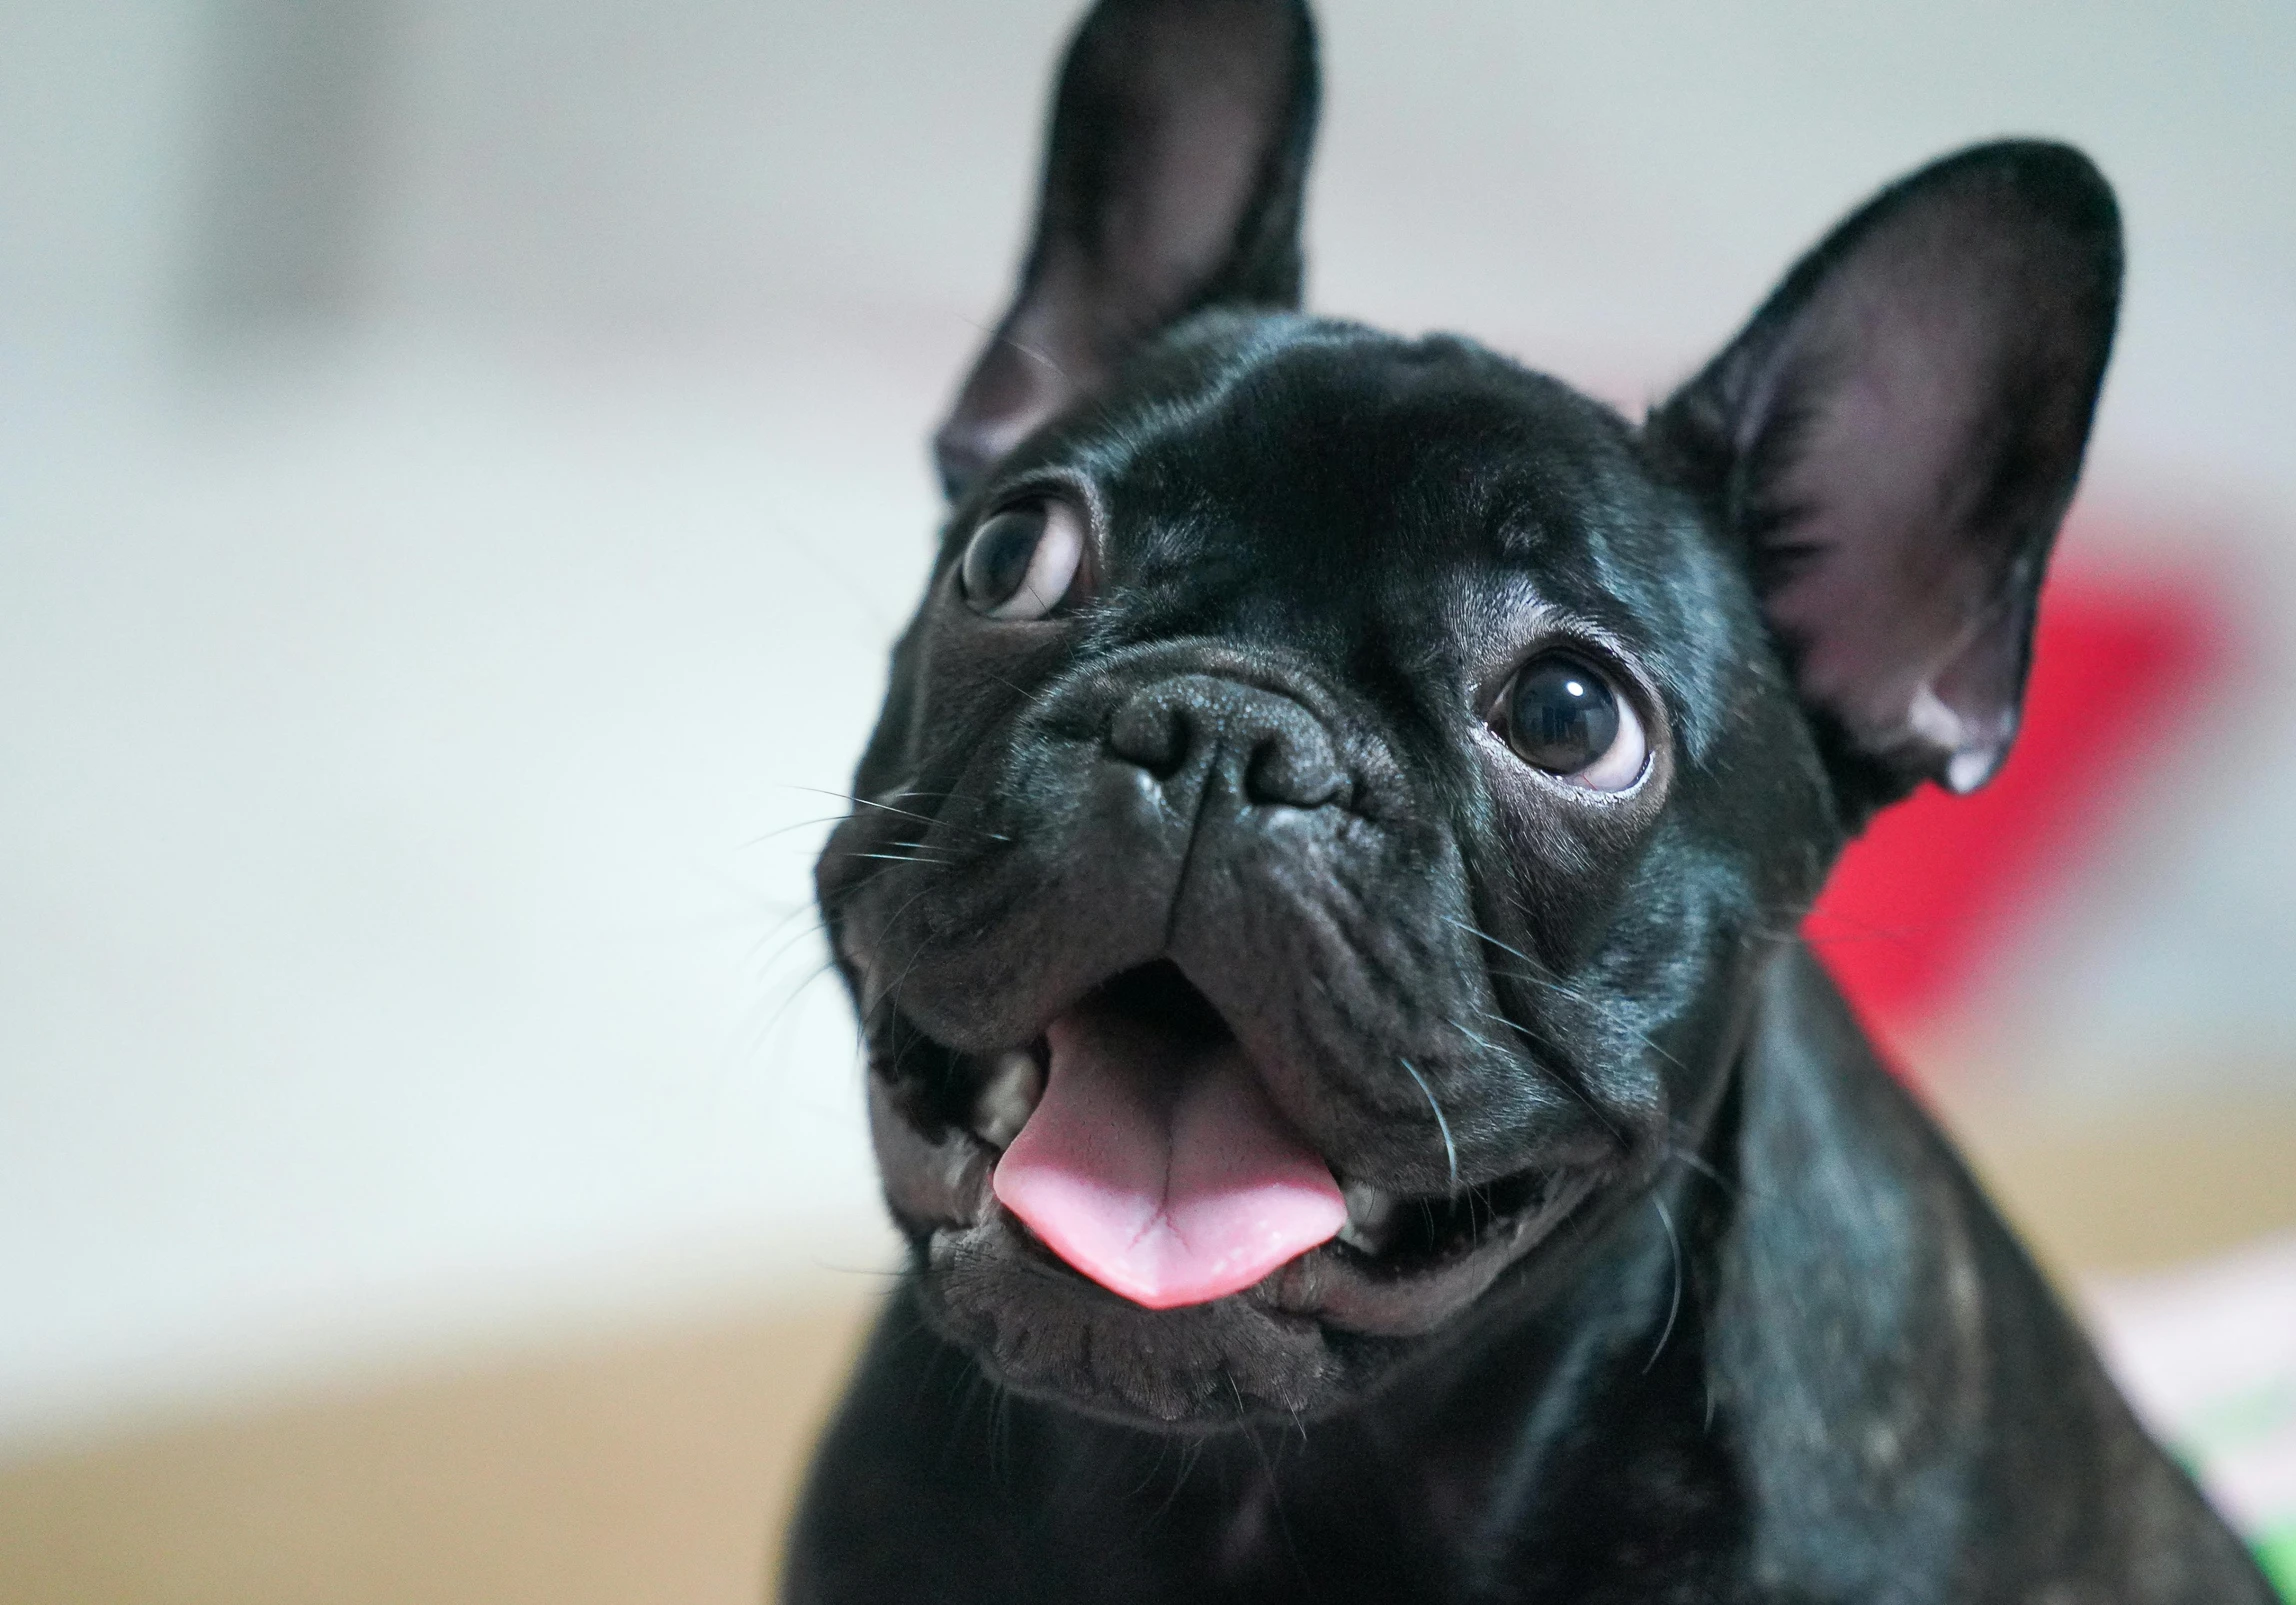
(1007, 1098)
(1370, 1211)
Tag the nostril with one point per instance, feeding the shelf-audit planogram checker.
(1151, 732)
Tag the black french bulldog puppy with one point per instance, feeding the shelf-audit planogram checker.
(1321, 900)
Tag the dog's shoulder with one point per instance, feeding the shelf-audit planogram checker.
(1902, 1381)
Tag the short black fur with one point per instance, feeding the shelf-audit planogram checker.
(1666, 1290)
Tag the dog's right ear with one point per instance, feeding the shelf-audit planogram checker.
(1894, 438)
(1173, 181)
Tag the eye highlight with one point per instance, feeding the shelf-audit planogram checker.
(1561, 716)
(1022, 559)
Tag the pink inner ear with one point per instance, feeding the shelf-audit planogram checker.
(1892, 606)
(1907, 416)
(1173, 178)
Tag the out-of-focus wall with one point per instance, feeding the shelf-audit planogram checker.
(460, 467)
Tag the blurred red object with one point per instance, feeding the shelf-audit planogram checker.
(1922, 902)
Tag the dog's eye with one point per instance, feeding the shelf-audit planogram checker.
(1022, 559)
(1563, 717)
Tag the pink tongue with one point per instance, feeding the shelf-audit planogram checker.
(1158, 1167)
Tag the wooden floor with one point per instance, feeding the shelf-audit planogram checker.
(633, 1473)
(657, 1469)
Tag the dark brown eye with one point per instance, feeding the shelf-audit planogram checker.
(1563, 717)
(1022, 559)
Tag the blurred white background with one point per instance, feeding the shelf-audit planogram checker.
(461, 465)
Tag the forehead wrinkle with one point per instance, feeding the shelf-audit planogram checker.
(1640, 581)
(1337, 378)
(1681, 611)
(1251, 350)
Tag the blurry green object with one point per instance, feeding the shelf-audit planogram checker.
(2207, 1353)
(2277, 1550)
(2241, 1422)
(2244, 1421)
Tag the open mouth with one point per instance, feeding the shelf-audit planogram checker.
(1135, 1143)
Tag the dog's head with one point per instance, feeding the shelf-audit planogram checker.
(1338, 791)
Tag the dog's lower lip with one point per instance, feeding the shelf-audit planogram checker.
(1385, 1228)
(1400, 1234)
(1334, 1286)
(1381, 1245)
(1394, 1242)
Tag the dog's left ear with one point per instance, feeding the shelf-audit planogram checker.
(1895, 437)
(1173, 180)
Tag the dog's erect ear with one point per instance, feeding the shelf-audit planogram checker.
(1895, 436)
(1172, 182)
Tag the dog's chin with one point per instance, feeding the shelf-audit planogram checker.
(1317, 1333)
(1320, 1330)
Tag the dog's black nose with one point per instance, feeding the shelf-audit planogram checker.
(1198, 730)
